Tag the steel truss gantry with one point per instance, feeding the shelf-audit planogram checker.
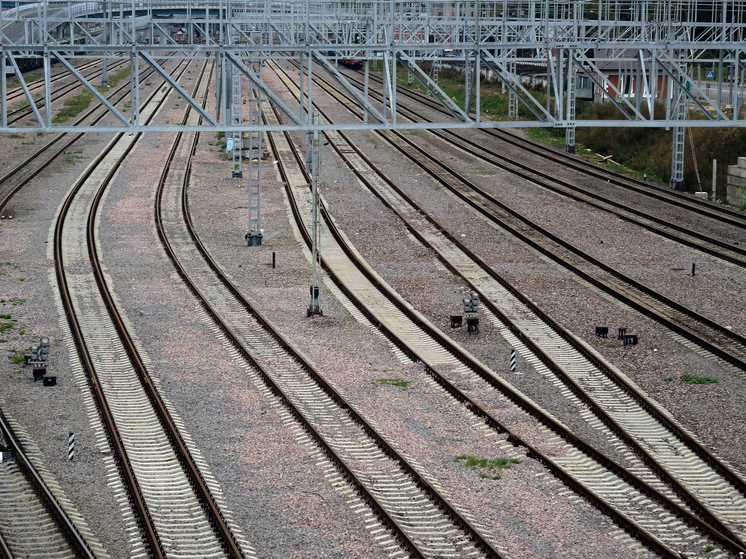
(635, 54)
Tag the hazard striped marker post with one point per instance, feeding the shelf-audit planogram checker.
(71, 446)
(512, 360)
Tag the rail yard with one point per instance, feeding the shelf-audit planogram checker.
(593, 405)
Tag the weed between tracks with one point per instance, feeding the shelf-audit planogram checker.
(399, 382)
(493, 467)
(692, 379)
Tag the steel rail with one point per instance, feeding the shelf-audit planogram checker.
(716, 339)
(4, 551)
(733, 342)
(684, 437)
(132, 486)
(51, 503)
(24, 111)
(697, 241)
(169, 426)
(38, 84)
(713, 525)
(59, 150)
(120, 455)
(721, 533)
(273, 386)
(645, 536)
(721, 213)
(385, 517)
(472, 406)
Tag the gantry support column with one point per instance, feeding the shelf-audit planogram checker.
(679, 103)
(570, 116)
(254, 234)
(236, 105)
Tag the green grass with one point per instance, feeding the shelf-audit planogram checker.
(15, 301)
(440, 441)
(72, 157)
(73, 107)
(401, 383)
(708, 548)
(15, 136)
(555, 138)
(692, 379)
(491, 469)
(5, 316)
(15, 356)
(6, 326)
(667, 379)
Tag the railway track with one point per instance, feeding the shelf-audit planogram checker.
(33, 522)
(172, 501)
(420, 520)
(18, 93)
(684, 233)
(595, 382)
(644, 188)
(19, 113)
(708, 335)
(20, 175)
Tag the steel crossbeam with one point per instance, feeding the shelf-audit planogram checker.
(623, 49)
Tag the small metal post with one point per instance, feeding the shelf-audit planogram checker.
(104, 77)
(71, 446)
(273, 260)
(512, 360)
(693, 267)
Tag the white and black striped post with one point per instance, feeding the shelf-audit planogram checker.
(512, 360)
(71, 446)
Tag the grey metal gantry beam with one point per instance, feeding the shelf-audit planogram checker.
(631, 53)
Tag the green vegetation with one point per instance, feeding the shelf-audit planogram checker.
(401, 383)
(5, 316)
(16, 356)
(637, 152)
(493, 467)
(73, 107)
(15, 301)
(72, 157)
(440, 441)
(6, 325)
(15, 136)
(708, 548)
(692, 379)
(667, 379)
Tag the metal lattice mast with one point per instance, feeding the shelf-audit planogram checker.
(570, 130)
(314, 308)
(236, 105)
(468, 83)
(512, 97)
(679, 105)
(254, 141)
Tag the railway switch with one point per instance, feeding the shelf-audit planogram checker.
(602, 331)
